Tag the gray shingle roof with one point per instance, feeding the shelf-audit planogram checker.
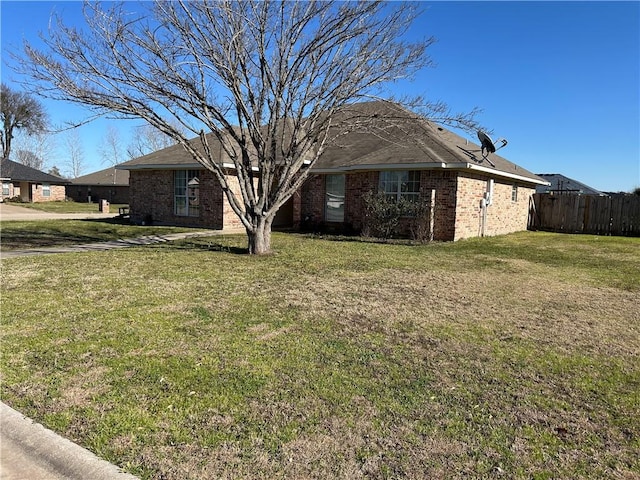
(21, 173)
(108, 176)
(377, 136)
(562, 184)
(170, 157)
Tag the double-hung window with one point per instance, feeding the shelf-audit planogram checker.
(46, 190)
(514, 193)
(6, 189)
(187, 193)
(400, 184)
(334, 204)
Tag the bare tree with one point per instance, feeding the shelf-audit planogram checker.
(148, 139)
(75, 162)
(30, 159)
(266, 80)
(111, 147)
(36, 150)
(20, 111)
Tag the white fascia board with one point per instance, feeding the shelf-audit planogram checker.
(177, 166)
(164, 166)
(429, 166)
(395, 166)
(231, 166)
(497, 173)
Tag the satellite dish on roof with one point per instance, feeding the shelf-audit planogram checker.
(486, 142)
(488, 145)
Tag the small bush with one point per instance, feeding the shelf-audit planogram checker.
(381, 215)
(387, 217)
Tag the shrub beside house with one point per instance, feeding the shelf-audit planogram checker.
(465, 193)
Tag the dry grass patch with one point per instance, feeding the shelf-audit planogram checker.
(513, 357)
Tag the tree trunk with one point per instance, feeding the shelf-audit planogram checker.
(259, 237)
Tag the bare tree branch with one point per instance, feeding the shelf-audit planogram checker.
(111, 147)
(265, 79)
(75, 157)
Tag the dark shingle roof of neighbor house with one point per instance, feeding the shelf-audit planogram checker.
(561, 184)
(398, 140)
(108, 176)
(15, 171)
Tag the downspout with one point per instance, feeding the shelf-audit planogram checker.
(432, 212)
(483, 215)
(487, 200)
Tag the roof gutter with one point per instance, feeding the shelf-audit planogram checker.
(175, 166)
(431, 166)
(395, 166)
(500, 173)
(369, 167)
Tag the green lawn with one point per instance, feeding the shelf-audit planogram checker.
(69, 207)
(507, 357)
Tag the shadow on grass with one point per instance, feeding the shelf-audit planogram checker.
(56, 233)
(42, 236)
(203, 245)
(110, 220)
(360, 239)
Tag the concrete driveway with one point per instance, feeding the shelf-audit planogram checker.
(11, 211)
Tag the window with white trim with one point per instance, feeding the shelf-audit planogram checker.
(46, 190)
(187, 193)
(514, 193)
(397, 184)
(6, 189)
(334, 202)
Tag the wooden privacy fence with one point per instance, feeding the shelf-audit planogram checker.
(616, 215)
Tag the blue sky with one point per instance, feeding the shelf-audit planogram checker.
(559, 80)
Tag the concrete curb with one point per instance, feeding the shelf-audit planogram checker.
(30, 451)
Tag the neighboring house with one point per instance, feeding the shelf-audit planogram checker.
(109, 184)
(29, 184)
(468, 195)
(561, 185)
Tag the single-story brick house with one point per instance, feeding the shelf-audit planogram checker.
(109, 184)
(30, 184)
(470, 194)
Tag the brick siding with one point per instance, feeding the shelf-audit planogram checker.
(11, 193)
(457, 212)
(312, 202)
(457, 208)
(357, 185)
(444, 183)
(503, 215)
(110, 193)
(32, 192)
(56, 193)
(151, 199)
(229, 218)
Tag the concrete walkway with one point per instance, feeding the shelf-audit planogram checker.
(28, 451)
